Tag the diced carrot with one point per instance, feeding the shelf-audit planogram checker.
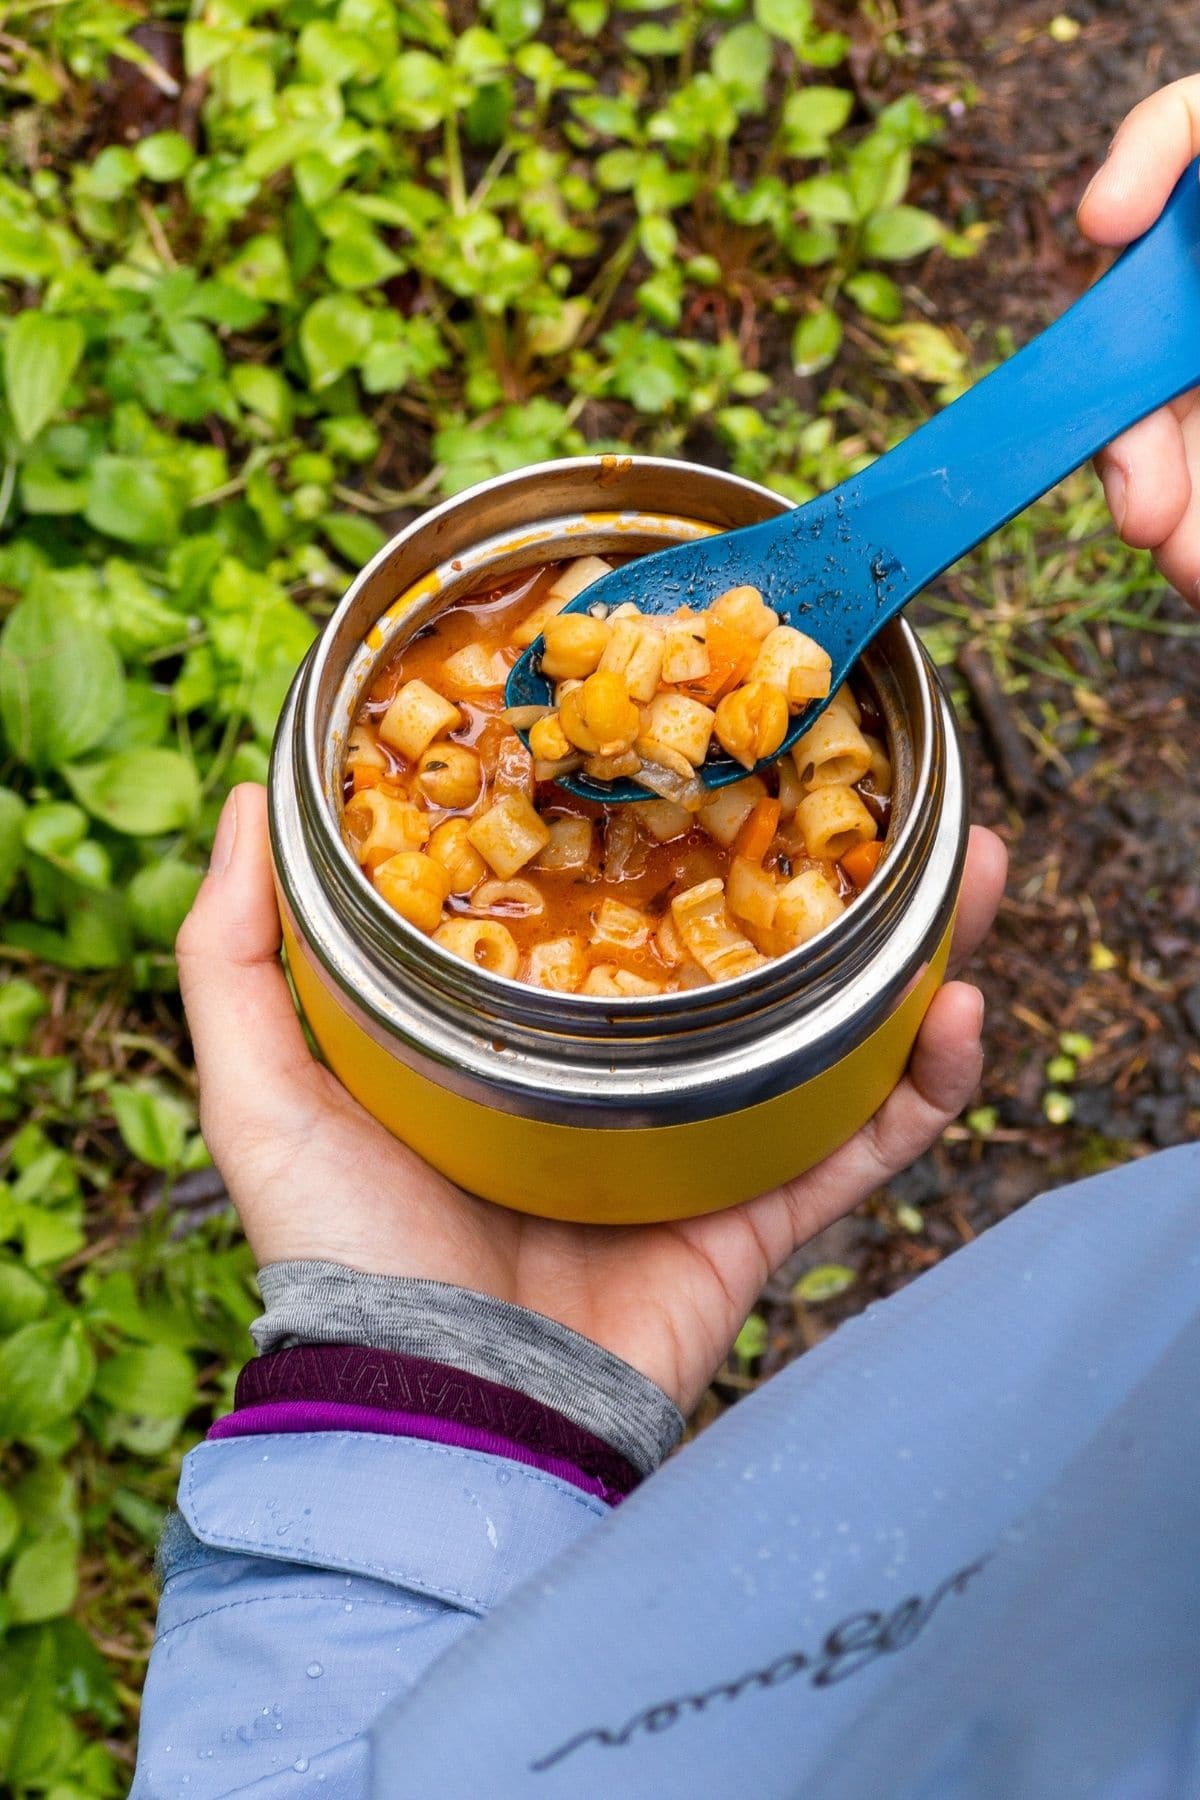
(861, 862)
(364, 776)
(754, 839)
(730, 654)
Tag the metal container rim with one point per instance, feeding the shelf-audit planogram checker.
(412, 954)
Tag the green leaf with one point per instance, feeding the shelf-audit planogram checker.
(23, 1297)
(61, 683)
(876, 295)
(153, 1124)
(354, 538)
(112, 174)
(138, 792)
(53, 828)
(85, 1685)
(48, 1495)
(816, 341)
(261, 270)
(825, 1282)
(36, 1739)
(136, 501)
(751, 1340)
(790, 20)
(900, 233)
(141, 1515)
(12, 814)
(151, 1381)
(21, 1006)
(46, 1371)
(334, 334)
(160, 897)
(10, 1524)
(41, 353)
(813, 115)
(145, 721)
(826, 198)
(164, 155)
(741, 62)
(360, 259)
(879, 170)
(43, 1579)
(48, 1237)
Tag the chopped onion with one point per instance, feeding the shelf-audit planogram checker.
(622, 840)
(523, 718)
(669, 784)
(554, 771)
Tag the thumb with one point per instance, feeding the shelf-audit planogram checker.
(1149, 153)
(251, 1056)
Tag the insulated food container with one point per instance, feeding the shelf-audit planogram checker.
(615, 1111)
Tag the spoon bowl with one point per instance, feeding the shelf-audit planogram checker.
(840, 567)
(817, 592)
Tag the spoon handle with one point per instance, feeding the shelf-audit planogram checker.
(1128, 346)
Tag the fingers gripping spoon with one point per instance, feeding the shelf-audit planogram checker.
(841, 566)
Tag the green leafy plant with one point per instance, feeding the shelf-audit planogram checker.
(357, 257)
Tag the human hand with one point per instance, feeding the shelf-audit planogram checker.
(314, 1176)
(1151, 473)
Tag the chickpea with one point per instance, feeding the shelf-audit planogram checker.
(575, 642)
(752, 722)
(450, 775)
(547, 739)
(464, 866)
(599, 717)
(416, 886)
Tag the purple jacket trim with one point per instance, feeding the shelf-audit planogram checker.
(326, 1415)
(386, 1380)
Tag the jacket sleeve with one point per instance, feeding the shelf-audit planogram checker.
(308, 1580)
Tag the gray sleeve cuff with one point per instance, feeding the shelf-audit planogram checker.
(327, 1303)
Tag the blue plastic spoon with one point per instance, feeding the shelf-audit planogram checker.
(841, 566)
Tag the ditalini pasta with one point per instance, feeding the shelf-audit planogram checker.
(466, 835)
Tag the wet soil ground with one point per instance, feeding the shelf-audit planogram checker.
(1097, 935)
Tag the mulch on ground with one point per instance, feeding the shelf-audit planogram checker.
(1097, 934)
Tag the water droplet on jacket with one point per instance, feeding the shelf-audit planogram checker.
(300, 1765)
(503, 1475)
(313, 1670)
(349, 1606)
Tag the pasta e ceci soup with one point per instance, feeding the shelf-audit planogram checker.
(466, 834)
